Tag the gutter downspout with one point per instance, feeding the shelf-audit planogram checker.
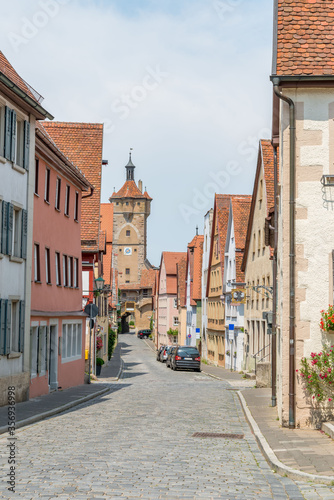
(292, 286)
(274, 332)
(88, 195)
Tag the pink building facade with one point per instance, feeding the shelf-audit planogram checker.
(57, 323)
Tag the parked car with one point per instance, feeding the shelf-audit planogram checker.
(144, 334)
(170, 352)
(159, 350)
(186, 357)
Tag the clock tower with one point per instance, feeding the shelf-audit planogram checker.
(131, 207)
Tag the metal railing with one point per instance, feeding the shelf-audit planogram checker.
(263, 357)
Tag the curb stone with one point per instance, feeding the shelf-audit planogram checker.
(270, 456)
(55, 411)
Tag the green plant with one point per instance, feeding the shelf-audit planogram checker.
(317, 373)
(327, 319)
(151, 323)
(99, 362)
(228, 353)
(99, 343)
(112, 335)
(132, 323)
(173, 332)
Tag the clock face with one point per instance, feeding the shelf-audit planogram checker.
(127, 251)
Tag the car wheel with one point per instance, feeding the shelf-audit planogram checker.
(198, 370)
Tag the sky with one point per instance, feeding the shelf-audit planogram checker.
(185, 83)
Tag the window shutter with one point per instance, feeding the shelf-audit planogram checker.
(10, 229)
(13, 137)
(8, 132)
(21, 331)
(24, 234)
(26, 145)
(47, 350)
(4, 227)
(39, 348)
(2, 326)
(8, 326)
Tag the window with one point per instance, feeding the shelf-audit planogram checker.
(175, 321)
(58, 272)
(17, 231)
(76, 273)
(37, 271)
(128, 232)
(175, 303)
(67, 200)
(33, 351)
(70, 271)
(36, 175)
(12, 314)
(58, 189)
(47, 186)
(65, 277)
(14, 225)
(42, 350)
(47, 266)
(16, 138)
(76, 207)
(127, 271)
(71, 342)
(85, 282)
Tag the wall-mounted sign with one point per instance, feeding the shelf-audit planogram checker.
(127, 251)
(238, 296)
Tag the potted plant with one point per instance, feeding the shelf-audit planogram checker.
(99, 363)
(327, 319)
(228, 353)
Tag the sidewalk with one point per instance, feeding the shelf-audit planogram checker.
(56, 402)
(306, 455)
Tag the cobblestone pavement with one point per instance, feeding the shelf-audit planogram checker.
(137, 442)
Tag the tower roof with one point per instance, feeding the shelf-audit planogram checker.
(130, 190)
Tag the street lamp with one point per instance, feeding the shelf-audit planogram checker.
(99, 283)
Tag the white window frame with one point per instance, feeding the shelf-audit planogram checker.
(67, 200)
(58, 268)
(71, 341)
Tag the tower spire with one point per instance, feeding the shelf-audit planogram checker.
(130, 175)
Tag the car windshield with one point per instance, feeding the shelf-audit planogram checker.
(188, 351)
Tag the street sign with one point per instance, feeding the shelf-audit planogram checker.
(92, 310)
(231, 331)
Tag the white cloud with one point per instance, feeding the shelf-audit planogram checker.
(215, 99)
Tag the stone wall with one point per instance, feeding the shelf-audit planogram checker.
(21, 384)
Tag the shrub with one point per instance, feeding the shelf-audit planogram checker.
(132, 323)
(327, 319)
(99, 362)
(112, 335)
(318, 374)
(99, 343)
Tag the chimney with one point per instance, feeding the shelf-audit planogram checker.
(140, 186)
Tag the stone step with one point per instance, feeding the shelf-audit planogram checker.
(328, 428)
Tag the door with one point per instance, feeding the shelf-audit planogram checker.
(53, 358)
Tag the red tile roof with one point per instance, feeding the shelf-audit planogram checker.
(304, 37)
(147, 279)
(82, 144)
(181, 275)
(107, 219)
(240, 210)
(130, 190)
(194, 258)
(7, 69)
(171, 259)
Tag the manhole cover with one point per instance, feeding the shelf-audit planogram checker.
(217, 435)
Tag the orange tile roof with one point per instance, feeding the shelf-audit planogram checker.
(266, 162)
(129, 190)
(82, 144)
(240, 210)
(181, 275)
(171, 259)
(7, 69)
(194, 258)
(107, 219)
(147, 279)
(305, 35)
(102, 241)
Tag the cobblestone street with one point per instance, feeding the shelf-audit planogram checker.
(136, 442)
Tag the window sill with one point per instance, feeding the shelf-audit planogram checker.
(38, 282)
(19, 169)
(19, 260)
(59, 286)
(47, 202)
(66, 215)
(49, 284)
(37, 195)
(13, 355)
(3, 160)
(57, 209)
(76, 220)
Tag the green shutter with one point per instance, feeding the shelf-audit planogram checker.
(26, 145)
(10, 217)
(21, 326)
(4, 227)
(2, 326)
(13, 137)
(8, 327)
(8, 133)
(24, 234)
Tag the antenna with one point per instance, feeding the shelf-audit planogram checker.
(196, 230)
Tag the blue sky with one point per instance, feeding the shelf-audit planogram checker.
(185, 83)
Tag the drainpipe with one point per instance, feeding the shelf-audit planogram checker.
(88, 195)
(274, 332)
(292, 286)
